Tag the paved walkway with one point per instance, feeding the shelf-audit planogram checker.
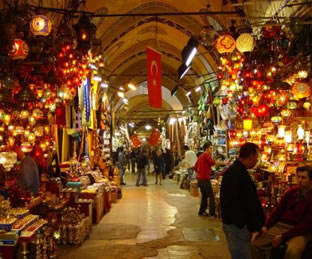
(157, 221)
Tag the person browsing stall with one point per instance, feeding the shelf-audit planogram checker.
(28, 177)
(290, 222)
(241, 209)
(203, 171)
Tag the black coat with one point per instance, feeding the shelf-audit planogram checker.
(240, 204)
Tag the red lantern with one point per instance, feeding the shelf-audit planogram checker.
(232, 134)
(19, 50)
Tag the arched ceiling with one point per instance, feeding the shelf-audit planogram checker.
(124, 38)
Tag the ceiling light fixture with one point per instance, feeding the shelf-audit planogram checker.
(104, 85)
(198, 89)
(97, 78)
(182, 70)
(132, 86)
(148, 127)
(174, 91)
(188, 93)
(189, 51)
(121, 94)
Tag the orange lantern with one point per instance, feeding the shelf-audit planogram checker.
(225, 44)
(301, 90)
(19, 50)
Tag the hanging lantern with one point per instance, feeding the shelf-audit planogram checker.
(37, 114)
(26, 147)
(307, 105)
(19, 130)
(292, 105)
(85, 32)
(7, 119)
(40, 25)
(247, 124)
(281, 131)
(31, 137)
(38, 131)
(276, 119)
(301, 90)
(286, 113)
(300, 132)
(288, 136)
(225, 44)
(24, 114)
(19, 50)
(245, 42)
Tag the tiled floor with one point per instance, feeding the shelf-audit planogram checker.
(157, 221)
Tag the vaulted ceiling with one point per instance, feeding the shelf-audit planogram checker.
(125, 36)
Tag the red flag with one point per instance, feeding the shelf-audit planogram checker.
(135, 140)
(154, 137)
(154, 77)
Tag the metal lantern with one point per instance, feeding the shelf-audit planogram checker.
(40, 25)
(225, 44)
(245, 42)
(85, 32)
(19, 50)
(247, 124)
(301, 90)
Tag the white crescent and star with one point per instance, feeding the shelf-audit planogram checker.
(154, 67)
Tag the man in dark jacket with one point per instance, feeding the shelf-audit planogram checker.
(241, 209)
(290, 222)
(141, 164)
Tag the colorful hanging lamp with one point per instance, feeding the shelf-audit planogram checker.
(40, 25)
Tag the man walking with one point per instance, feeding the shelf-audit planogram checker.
(122, 164)
(141, 165)
(241, 209)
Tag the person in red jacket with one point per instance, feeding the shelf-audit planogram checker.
(290, 222)
(203, 171)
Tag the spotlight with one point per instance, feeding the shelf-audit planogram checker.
(198, 89)
(188, 93)
(125, 100)
(182, 70)
(189, 51)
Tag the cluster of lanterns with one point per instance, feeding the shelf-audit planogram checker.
(262, 93)
(27, 129)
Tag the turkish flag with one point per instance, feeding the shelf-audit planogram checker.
(135, 140)
(154, 137)
(154, 77)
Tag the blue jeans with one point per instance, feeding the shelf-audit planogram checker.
(238, 240)
(121, 173)
(141, 172)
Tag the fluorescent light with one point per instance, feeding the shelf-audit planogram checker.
(125, 100)
(188, 93)
(191, 56)
(97, 78)
(121, 94)
(131, 124)
(104, 85)
(183, 70)
(148, 127)
(132, 86)
(121, 88)
(198, 89)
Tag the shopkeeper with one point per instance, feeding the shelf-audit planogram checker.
(28, 177)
